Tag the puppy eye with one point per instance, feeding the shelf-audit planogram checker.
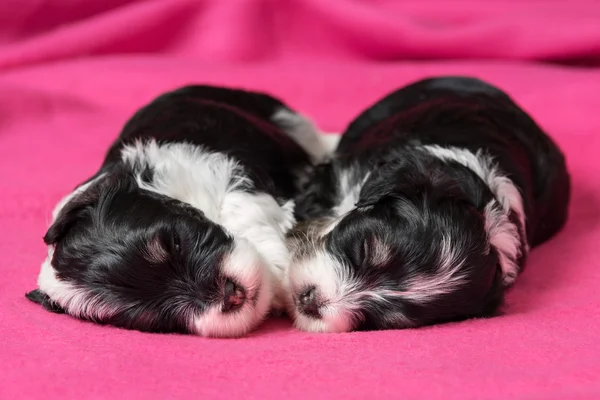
(359, 253)
(372, 252)
(365, 251)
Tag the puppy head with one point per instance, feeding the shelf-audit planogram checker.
(413, 251)
(135, 259)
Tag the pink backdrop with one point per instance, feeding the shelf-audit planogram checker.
(71, 73)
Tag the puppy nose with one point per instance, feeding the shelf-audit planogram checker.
(234, 296)
(308, 303)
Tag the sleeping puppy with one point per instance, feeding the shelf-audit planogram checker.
(426, 212)
(183, 227)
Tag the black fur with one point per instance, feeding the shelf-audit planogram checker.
(42, 299)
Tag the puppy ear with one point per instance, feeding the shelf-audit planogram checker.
(44, 300)
(69, 214)
(75, 205)
(408, 179)
(388, 182)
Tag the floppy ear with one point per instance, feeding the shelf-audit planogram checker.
(70, 213)
(405, 178)
(76, 204)
(389, 181)
(44, 300)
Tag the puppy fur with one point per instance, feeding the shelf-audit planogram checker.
(183, 227)
(426, 212)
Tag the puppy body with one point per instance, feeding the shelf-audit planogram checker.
(427, 211)
(182, 228)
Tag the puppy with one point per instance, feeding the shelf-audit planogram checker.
(182, 229)
(426, 212)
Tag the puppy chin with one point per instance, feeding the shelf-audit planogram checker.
(250, 271)
(335, 308)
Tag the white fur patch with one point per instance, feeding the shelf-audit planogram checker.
(334, 288)
(305, 133)
(246, 266)
(187, 173)
(260, 220)
(330, 141)
(348, 191)
(498, 225)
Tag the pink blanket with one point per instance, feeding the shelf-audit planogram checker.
(71, 73)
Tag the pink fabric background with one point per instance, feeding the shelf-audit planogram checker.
(72, 72)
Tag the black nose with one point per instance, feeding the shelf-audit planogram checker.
(234, 296)
(308, 303)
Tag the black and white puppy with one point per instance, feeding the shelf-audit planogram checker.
(183, 227)
(426, 212)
